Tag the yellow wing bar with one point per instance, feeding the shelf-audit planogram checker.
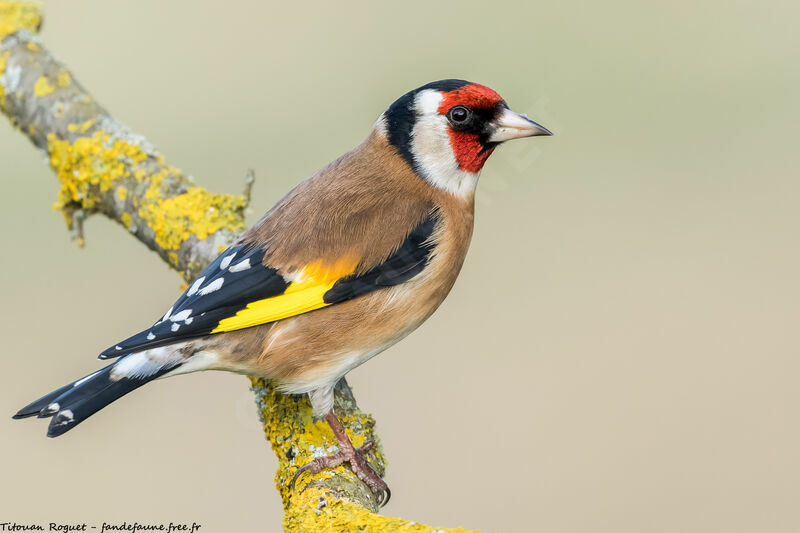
(303, 295)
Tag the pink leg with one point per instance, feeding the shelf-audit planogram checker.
(348, 454)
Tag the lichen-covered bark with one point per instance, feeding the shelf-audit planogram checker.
(103, 167)
(332, 500)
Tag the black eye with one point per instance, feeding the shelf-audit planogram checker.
(459, 114)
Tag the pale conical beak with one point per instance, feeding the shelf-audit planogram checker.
(509, 125)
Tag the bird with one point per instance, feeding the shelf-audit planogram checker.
(349, 262)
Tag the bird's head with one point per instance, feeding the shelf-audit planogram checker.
(446, 130)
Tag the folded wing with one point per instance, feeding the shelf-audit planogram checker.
(238, 290)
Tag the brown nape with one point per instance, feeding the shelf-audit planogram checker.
(352, 456)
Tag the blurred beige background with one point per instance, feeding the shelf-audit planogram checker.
(620, 353)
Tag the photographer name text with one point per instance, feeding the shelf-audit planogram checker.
(127, 527)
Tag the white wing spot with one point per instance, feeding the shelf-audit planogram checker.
(226, 261)
(212, 287)
(150, 336)
(118, 347)
(241, 265)
(183, 315)
(189, 320)
(166, 316)
(175, 327)
(196, 285)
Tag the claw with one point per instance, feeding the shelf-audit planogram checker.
(301, 471)
(384, 496)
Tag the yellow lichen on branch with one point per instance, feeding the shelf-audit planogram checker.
(64, 79)
(89, 166)
(332, 500)
(43, 87)
(127, 221)
(318, 511)
(3, 60)
(196, 212)
(104, 167)
(15, 16)
(93, 165)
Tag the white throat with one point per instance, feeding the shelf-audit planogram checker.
(432, 151)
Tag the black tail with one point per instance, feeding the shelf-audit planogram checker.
(72, 404)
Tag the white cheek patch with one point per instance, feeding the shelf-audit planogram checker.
(432, 151)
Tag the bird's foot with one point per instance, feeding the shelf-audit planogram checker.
(355, 458)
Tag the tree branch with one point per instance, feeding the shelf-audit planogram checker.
(103, 167)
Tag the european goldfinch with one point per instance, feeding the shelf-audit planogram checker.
(352, 260)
